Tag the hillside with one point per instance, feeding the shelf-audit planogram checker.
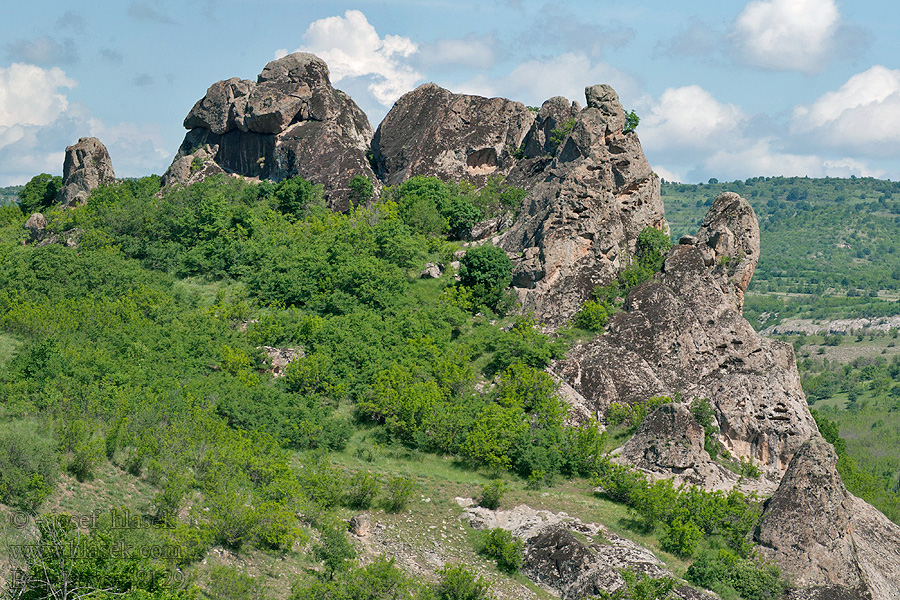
(456, 357)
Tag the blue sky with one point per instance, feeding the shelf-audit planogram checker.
(724, 89)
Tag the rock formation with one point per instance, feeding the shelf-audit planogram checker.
(570, 558)
(591, 192)
(290, 122)
(431, 131)
(590, 188)
(87, 166)
(831, 542)
(670, 443)
(683, 332)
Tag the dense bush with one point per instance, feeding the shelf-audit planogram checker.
(28, 465)
(491, 493)
(39, 193)
(458, 583)
(398, 493)
(487, 272)
(503, 547)
(725, 572)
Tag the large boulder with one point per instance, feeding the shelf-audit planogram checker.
(86, 167)
(829, 541)
(591, 192)
(290, 122)
(432, 131)
(682, 333)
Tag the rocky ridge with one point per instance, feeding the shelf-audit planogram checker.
(683, 333)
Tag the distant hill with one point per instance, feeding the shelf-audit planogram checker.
(9, 195)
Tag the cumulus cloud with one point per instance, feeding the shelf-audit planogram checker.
(690, 118)
(537, 80)
(863, 114)
(353, 49)
(471, 52)
(793, 35)
(32, 95)
(43, 51)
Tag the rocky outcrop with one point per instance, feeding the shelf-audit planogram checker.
(290, 122)
(277, 359)
(829, 541)
(729, 241)
(87, 166)
(570, 558)
(434, 132)
(591, 192)
(669, 443)
(682, 332)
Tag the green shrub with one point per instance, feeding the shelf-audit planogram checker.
(681, 538)
(491, 493)
(502, 546)
(458, 583)
(724, 572)
(631, 122)
(487, 271)
(593, 316)
(399, 491)
(28, 465)
(705, 414)
(362, 489)
(298, 197)
(642, 587)
(558, 135)
(361, 189)
(39, 193)
(334, 550)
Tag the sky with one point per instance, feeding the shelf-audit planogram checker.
(726, 90)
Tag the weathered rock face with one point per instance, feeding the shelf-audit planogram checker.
(826, 538)
(573, 559)
(431, 131)
(590, 195)
(290, 122)
(87, 166)
(669, 443)
(729, 241)
(682, 332)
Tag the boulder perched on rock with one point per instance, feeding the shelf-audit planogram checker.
(591, 192)
(826, 539)
(431, 131)
(87, 166)
(290, 122)
(682, 332)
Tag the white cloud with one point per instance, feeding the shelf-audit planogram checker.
(537, 80)
(666, 174)
(863, 114)
(788, 35)
(43, 50)
(37, 122)
(763, 158)
(352, 48)
(31, 95)
(471, 52)
(690, 118)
